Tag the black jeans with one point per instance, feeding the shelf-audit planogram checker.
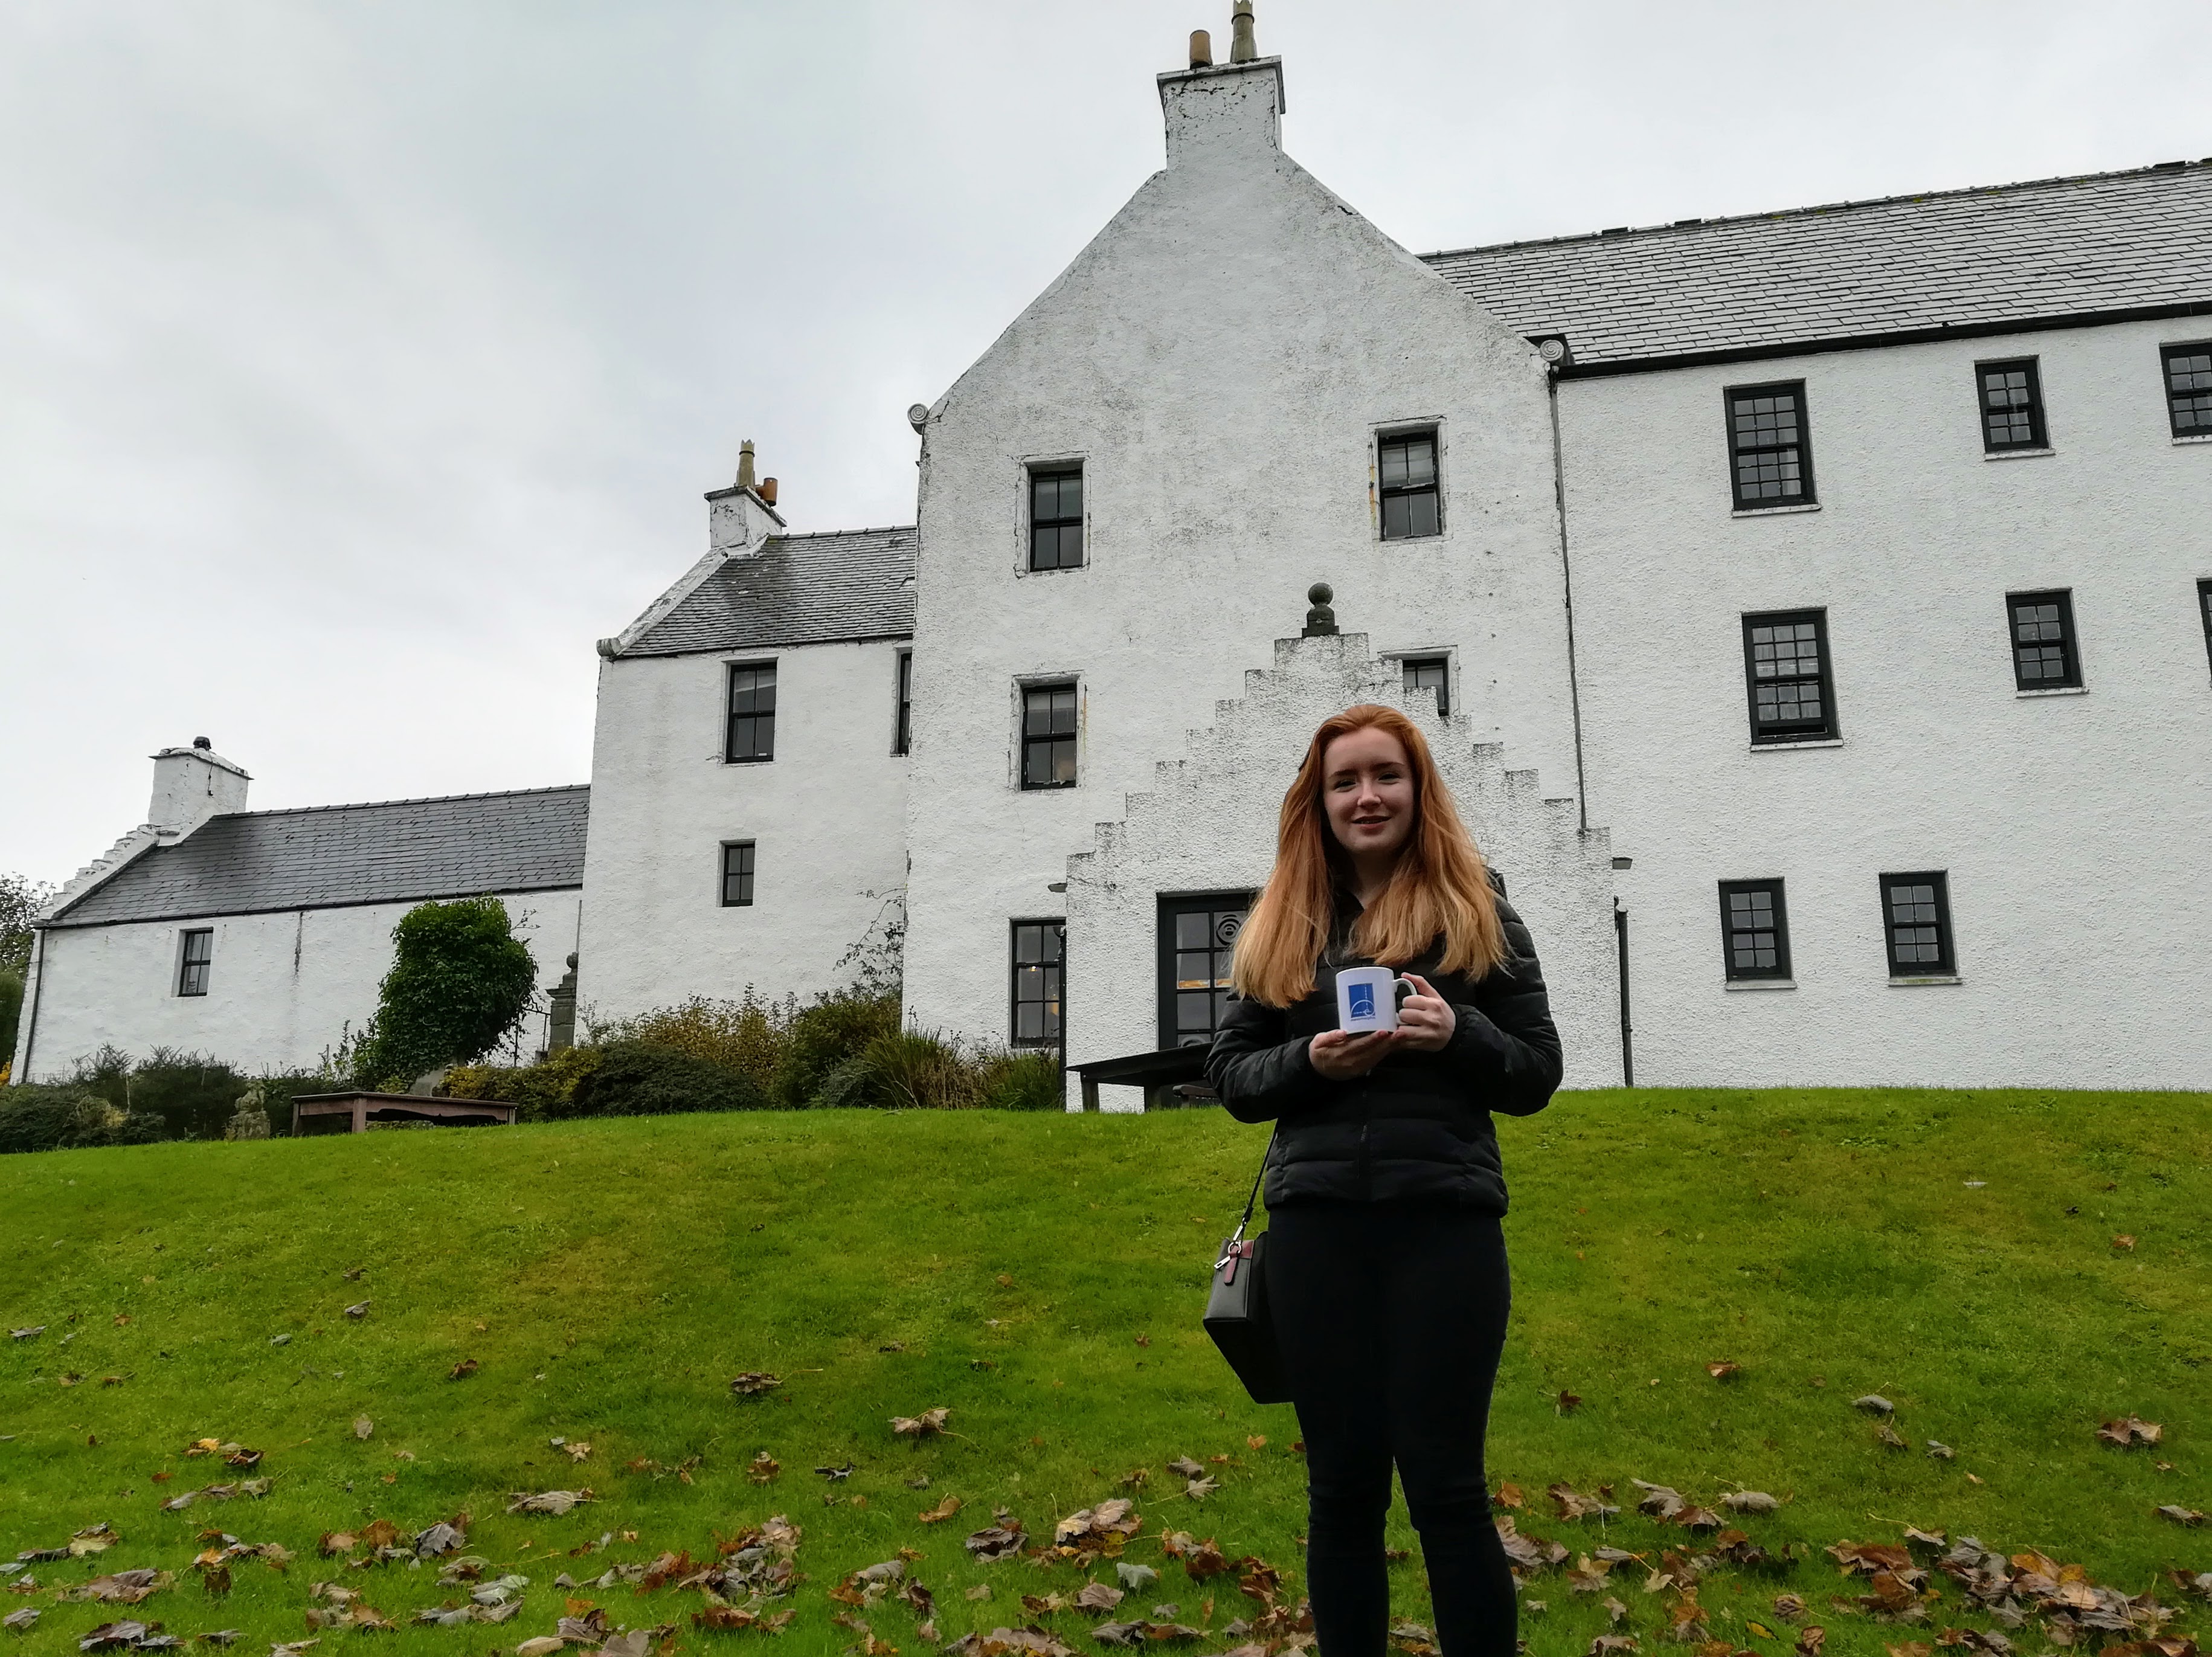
(1392, 1317)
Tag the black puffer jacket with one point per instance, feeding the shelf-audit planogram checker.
(1416, 1127)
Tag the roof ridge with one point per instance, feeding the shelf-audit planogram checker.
(1687, 227)
(817, 535)
(412, 799)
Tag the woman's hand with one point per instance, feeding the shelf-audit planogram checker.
(1343, 1057)
(1425, 1020)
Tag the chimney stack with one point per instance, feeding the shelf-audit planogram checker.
(740, 519)
(192, 784)
(1243, 47)
(1201, 49)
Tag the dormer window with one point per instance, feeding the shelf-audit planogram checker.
(1406, 474)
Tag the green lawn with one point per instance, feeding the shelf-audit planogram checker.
(1952, 1252)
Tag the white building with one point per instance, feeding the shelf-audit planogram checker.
(1807, 607)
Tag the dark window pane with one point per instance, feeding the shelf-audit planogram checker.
(2204, 613)
(2189, 388)
(1754, 936)
(737, 875)
(1405, 472)
(2043, 653)
(752, 712)
(1430, 673)
(1772, 464)
(1048, 727)
(1056, 518)
(2012, 405)
(198, 957)
(1918, 911)
(1785, 666)
(1197, 944)
(902, 738)
(1037, 946)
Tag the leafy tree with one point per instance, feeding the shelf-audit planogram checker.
(20, 900)
(460, 980)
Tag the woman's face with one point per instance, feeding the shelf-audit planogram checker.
(1367, 789)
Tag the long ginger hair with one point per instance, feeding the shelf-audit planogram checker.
(1440, 886)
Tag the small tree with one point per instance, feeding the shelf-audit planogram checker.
(460, 980)
(20, 900)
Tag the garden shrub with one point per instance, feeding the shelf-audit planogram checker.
(1020, 1081)
(540, 1092)
(749, 1035)
(636, 1078)
(460, 980)
(11, 1012)
(63, 1116)
(835, 1029)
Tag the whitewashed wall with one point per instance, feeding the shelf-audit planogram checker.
(1219, 358)
(281, 987)
(827, 815)
(1208, 824)
(2074, 828)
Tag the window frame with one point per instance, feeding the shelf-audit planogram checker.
(902, 702)
(1033, 473)
(1806, 494)
(2039, 431)
(1026, 689)
(1167, 906)
(1418, 660)
(2070, 639)
(1946, 964)
(1057, 1000)
(730, 716)
(747, 873)
(2166, 355)
(1831, 728)
(1755, 974)
(187, 982)
(1431, 432)
(2205, 614)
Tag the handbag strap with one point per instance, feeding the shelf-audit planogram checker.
(1250, 1202)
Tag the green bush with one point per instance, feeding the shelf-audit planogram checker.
(750, 1036)
(459, 982)
(11, 1012)
(191, 1094)
(540, 1092)
(835, 1030)
(63, 1116)
(1020, 1081)
(634, 1078)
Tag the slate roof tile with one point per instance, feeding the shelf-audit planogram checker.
(1987, 259)
(797, 590)
(332, 856)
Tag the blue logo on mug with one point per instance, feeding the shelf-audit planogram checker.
(1361, 999)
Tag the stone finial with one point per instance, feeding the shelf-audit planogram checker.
(1244, 46)
(1321, 620)
(745, 464)
(1201, 49)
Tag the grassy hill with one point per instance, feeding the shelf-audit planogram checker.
(1041, 1276)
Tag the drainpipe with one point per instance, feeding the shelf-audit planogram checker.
(1552, 349)
(22, 1072)
(1628, 1051)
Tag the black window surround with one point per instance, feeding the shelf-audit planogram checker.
(1197, 935)
(1788, 677)
(1406, 480)
(1040, 949)
(2205, 614)
(1429, 672)
(2187, 371)
(1056, 516)
(1049, 719)
(1770, 446)
(195, 958)
(751, 736)
(738, 858)
(2012, 405)
(1754, 930)
(902, 724)
(1916, 916)
(2045, 652)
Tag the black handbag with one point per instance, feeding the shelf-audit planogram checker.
(1237, 1315)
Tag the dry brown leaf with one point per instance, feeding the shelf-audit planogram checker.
(922, 1426)
(754, 1382)
(2131, 1431)
(463, 1371)
(1723, 1371)
(1508, 1496)
(943, 1511)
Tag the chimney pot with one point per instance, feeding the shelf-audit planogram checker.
(768, 490)
(745, 464)
(202, 743)
(1201, 49)
(1244, 46)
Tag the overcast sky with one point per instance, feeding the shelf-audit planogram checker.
(361, 364)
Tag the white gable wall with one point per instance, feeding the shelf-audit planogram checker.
(826, 814)
(2074, 828)
(1219, 358)
(282, 986)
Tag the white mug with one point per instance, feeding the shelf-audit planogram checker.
(1367, 999)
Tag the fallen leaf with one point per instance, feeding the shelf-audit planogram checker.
(32, 1333)
(543, 1645)
(1572, 1504)
(1568, 1404)
(764, 1468)
(21, 1621)
(944, 1510)
(1508, 1496)
(1097, 1596)
(753, 1383)
(462, 1370)
(1889, 1435)
(2125, 1243)
(1788, 1607)
(552, 1502)
(921, 1426)
(1659, 1501)
(577, 1450)
(996, 1543)
(358, 1310)
(2181, 1516)
(1198, 1489)
(1186, 1467)
(2131, 1431)
(1810, 1640)
(1942, 1451)
(1414, 1640)
(1756, 1501)
(1723, 1371)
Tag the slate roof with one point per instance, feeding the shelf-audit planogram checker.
(332, 856)
(1949, 262)
(797, 590)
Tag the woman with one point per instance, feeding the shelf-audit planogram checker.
(1386, 1261)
